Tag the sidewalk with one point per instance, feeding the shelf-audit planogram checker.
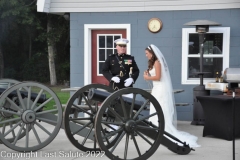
(62, 149)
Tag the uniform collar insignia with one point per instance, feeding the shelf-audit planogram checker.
(122, 55)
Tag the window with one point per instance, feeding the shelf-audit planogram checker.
(215, 54)
(105, 47)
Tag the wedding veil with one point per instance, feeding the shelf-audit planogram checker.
(166, 81)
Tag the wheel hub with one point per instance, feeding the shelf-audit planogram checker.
(28, 116)
(130, 126)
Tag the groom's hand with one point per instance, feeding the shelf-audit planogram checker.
(128, 82)
(115, 79)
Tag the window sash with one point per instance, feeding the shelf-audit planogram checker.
(186, 56)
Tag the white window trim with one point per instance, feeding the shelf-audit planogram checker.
(88, 43)
(185, 41)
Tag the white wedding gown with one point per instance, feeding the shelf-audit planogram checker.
(159, 92)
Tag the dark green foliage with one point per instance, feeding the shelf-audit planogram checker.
(24, 42)
(36, 69)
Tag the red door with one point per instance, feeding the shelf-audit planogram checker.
(102, 46)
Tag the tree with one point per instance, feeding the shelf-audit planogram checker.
(55, 32)
(51, 52)
(16, 19)
(34, 38)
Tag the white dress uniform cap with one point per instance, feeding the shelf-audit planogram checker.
(122, 41)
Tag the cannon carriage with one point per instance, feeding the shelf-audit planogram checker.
(95, 119)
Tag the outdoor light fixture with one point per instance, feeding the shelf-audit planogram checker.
(202, 27)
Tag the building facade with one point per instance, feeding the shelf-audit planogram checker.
(94, 24)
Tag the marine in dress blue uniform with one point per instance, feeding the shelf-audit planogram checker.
(120, 69)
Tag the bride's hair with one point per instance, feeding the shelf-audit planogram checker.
(153, 59)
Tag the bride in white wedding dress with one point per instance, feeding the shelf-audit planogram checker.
(158, 73)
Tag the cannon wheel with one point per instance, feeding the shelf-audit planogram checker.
(83, 128)
(130, 126)
(31, 117)
(7, 83)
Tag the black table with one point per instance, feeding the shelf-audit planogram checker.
(218, 116)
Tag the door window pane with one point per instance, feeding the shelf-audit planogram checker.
(101, 54)
(100, 67)
(116, 37)
(109, 41)
(101, 41)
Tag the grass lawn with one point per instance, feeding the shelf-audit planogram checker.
(62, 96)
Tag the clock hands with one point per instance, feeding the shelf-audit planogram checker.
(154, 25)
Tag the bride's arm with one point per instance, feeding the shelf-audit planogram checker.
(157, 67)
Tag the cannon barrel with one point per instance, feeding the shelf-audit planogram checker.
(24, 94)
(98, 95)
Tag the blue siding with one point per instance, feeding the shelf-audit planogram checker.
(169, 40)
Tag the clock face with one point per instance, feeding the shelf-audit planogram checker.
(154, 25)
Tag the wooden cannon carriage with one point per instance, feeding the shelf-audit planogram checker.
(95, 119)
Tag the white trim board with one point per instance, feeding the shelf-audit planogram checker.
(61, 6)
(88, 45)
(43, 6)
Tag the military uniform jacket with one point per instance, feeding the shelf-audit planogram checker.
(120, 66)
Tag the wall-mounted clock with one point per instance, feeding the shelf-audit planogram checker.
(154, 25)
